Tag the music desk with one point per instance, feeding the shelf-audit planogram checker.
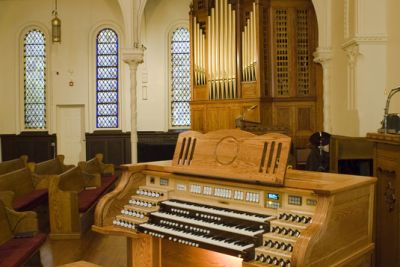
(387, 170)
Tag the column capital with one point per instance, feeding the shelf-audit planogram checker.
(133, 56)
(352, 53)
(322, 55)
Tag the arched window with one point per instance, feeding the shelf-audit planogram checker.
(107, 79)
(34, 80)
(180, 78)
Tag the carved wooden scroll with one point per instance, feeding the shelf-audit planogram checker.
(233, 154)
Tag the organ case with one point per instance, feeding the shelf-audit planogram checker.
(254, 59)
(226, 199)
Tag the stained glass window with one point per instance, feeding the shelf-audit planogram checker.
(180, 78)
(35, 80)
(107, 79)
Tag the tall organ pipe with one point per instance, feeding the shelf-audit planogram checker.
(249, 51)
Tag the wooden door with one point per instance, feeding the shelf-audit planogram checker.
(71, 133)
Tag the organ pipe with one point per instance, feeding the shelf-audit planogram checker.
(215, 50)
(221, 43)
(199, 54)
(249, 52)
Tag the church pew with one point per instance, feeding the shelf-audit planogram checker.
(52, 166)
(72, 198)
(13, 165)
(96, 165)
(28, 191)
(19, 238)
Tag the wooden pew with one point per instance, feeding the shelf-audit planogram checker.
(19, 238)
(28, 190)
(96, 165)
(13, 165)
(52, 166)
(72, 198)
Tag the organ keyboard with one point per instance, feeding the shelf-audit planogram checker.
(171, 215)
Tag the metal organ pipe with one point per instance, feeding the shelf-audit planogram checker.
(249, 52)
(221, 51)
(198, 54)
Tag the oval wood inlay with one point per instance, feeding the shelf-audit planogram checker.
(226, 150)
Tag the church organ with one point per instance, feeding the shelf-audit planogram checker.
(226, 199)
(255, 54)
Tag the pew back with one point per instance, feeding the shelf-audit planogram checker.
(20, 182)
(96, 165)
(14, 164)
(52, 166)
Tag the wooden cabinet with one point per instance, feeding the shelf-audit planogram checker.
(387, 169)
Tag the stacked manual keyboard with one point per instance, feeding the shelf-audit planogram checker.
(227, 231)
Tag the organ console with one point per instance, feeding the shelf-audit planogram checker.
(227, 199)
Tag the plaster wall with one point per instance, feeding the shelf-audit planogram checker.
(67, 61)
(160, 17)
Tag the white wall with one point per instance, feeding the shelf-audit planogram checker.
(159, 18)
(393, 57)
(359, 65)
(70, 59)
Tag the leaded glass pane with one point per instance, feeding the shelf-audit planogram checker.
(180, 78)
(107, 79)
(35, 80)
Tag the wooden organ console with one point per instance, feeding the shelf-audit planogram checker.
(254, 60)
(227, 199)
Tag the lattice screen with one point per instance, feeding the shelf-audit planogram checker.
(303, 57)
(107, 79)
(35, 80)
(282, 52)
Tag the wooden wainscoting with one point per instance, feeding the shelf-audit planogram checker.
(39, 146)
(114, 145)
(153, 146)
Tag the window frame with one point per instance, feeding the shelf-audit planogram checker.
(169, 59)
(20, 112)
(117, 80)
(92, 57)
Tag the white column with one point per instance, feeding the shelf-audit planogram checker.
(133, 57)
(352, 53)
(323, 56)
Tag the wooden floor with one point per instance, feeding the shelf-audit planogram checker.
(107, 251)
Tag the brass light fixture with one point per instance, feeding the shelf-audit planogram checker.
(55, 26)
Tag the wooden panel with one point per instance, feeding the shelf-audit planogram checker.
(249, 90)
(387, 169)
(197, 117)
(217, 118)
(200, 92)
(304, 120)
(115, 146)
(190, 256)
(283, 117)
(153, 146)
(39, 146)
(348, 148)
(299, 117)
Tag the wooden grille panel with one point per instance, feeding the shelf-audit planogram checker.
(282, 51)
(303, 57)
